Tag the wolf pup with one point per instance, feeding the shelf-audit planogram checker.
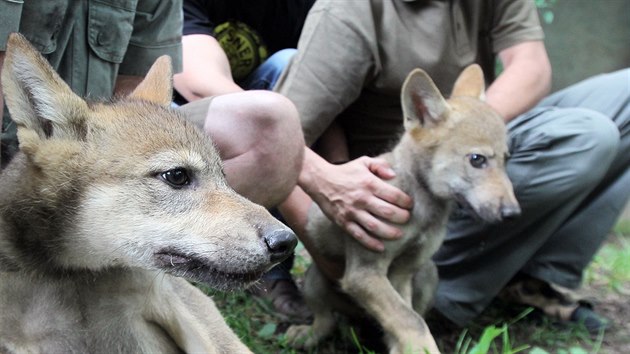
(452, 150)
(104, 208)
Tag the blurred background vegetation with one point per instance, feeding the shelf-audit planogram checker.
(585, 37)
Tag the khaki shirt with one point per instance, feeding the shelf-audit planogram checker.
(89, 43)
(354, 55)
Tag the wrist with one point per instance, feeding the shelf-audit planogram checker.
(312, 171)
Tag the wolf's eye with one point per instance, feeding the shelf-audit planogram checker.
(176, 178)
(477, 161)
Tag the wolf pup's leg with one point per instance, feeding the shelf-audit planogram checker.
(317, 293)
(406, 331)
(191, 319)
(425, 283)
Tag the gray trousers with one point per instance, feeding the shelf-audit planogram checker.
(569, 167)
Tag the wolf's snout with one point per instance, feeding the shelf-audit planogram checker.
(509, 212)
(280, 242)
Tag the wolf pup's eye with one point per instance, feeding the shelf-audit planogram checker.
(477, 161)
(176, 178)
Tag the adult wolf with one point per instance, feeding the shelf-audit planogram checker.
(452, 150)
(104, 207)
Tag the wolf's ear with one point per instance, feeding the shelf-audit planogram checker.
(470, 83)
(40, 102)
(157, 86)
(422, 102)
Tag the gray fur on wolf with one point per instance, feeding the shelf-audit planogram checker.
(451, 151)
(104, 208)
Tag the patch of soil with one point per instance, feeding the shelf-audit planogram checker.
(614, 305)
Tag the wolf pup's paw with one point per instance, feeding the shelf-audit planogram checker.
(301, 337)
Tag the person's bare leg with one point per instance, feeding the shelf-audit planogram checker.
(260, 141)
(333, 147)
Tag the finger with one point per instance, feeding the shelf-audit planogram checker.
(380, 168)
(387, 211)
(391, 194)
(383, 190)
(376, 227)
(363, 238)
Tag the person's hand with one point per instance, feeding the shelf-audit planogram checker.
(355, 196)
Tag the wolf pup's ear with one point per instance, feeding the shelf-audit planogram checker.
(422, 102)
(40, 102)
(157, 86)
(470, 83)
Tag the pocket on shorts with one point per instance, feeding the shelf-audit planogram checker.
(110, 25)
(43, 32)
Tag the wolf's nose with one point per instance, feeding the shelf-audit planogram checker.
(280, 243)
(510, 211)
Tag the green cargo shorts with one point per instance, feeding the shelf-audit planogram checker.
(89, 43)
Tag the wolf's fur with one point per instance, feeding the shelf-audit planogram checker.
(438, 160)
(104, 207)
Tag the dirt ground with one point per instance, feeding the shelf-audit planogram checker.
(614, 305)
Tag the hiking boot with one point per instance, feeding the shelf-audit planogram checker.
(282, 299)
(589, 319)
(556, 302)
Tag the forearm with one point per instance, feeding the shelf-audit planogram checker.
(206, 69)
(315, 177)
(525, 80)
(355, 196)
(312, 167)
(219, 86)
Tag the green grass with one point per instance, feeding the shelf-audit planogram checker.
(622, 227)
(498, 331)
(611, 265)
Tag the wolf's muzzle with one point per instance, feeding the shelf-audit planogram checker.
(280, 243)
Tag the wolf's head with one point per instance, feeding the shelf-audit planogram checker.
(129, 183)
(461, 143)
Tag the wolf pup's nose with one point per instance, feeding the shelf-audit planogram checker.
(280, 243)
(509, 212)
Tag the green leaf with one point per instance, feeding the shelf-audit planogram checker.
(267, 330)
(538, 350)
(488, 335)
(577, 350)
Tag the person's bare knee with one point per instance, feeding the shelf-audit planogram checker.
(278, 148)
(259, 137)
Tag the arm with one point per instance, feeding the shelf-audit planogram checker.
(332, 146)
(206, 69)
(525, 80)
(353, 195)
